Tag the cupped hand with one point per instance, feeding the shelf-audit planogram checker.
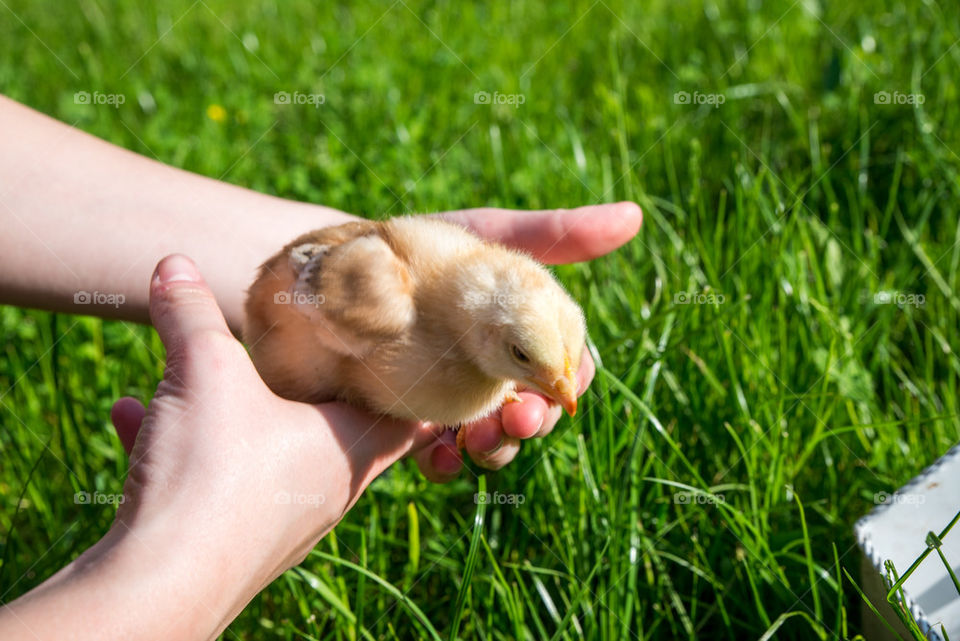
(552, 236)
(249, 480)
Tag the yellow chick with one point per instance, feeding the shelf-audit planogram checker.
(412, 317)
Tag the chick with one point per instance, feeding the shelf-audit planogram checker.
(412, 317)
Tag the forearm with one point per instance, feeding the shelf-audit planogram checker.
(129, 586)
(81, 215)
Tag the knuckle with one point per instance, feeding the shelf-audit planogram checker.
(179, 299)
(185, 293)
(212, 341)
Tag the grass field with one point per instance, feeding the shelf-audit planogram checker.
(778, 345)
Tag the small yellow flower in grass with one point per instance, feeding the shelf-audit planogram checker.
(216, 113)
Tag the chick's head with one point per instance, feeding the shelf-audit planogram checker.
(523, 326)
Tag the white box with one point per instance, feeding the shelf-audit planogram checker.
(897, 530)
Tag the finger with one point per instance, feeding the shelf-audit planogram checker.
(182, 307)
(484, 436)
(126, 415)
(440, 462)
(556, 235)
(501, 456)
(585, 372)
(488, 444)
(554, 414)
(551, 416)
(525, 419)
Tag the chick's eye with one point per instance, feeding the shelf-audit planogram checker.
(518, 354)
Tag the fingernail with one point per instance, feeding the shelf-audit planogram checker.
(494, 449)
(177, 268)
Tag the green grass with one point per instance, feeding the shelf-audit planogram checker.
(781, 406)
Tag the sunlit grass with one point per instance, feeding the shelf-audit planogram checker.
(779, 344)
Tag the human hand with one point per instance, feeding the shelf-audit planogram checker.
(552, 236)
(241, 477)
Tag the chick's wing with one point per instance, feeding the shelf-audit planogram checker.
(359, 289)
(332, 293)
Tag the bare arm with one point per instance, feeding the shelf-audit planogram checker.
(81, 215)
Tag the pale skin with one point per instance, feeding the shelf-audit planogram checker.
(201, 530)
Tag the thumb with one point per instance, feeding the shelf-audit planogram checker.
(182, 307)
(556, 235)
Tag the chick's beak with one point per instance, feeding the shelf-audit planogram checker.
(562, 389)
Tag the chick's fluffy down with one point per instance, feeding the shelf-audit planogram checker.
(411, 317)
